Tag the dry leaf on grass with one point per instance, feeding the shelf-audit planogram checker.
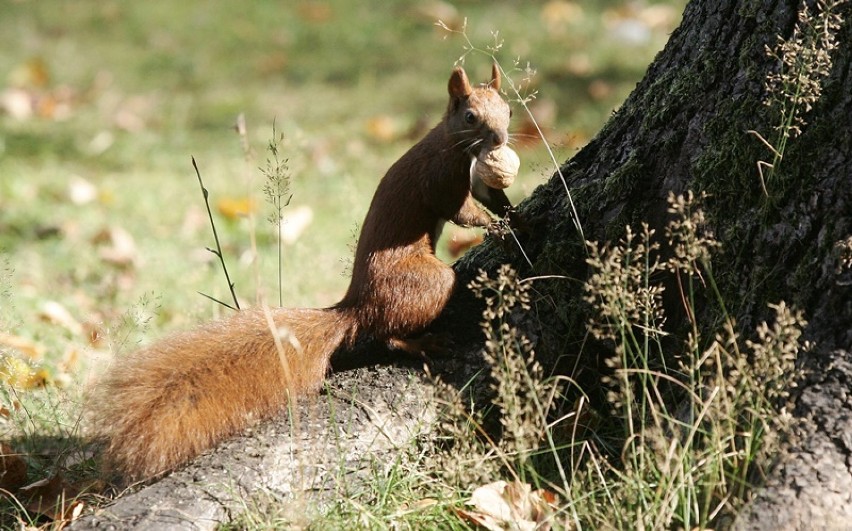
(17, 373)
(294, 222)
(32, 350)
(52, 497)
(501, 505)
(81, 191)
(119, 247)
(383, 128)
(13, 469)
(559, 16)
(433, 10)
(55, 313)
(235, 207)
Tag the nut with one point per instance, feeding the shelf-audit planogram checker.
(497, 168)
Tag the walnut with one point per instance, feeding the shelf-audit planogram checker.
(497, 168)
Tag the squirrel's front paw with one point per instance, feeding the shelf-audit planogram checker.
(511, 222)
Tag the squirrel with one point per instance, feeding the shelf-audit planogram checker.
(166, 403)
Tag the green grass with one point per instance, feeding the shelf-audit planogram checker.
(148, 85)
(164, 82)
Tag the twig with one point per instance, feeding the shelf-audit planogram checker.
(218, 250)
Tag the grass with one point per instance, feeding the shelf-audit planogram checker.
(690, 428)
(126, 93)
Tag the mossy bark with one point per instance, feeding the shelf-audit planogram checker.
(685, 128)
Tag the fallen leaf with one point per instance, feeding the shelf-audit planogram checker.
(68, 365)
(599, 89)
(101, 142)
(630, 31)
(659, 16)
(294, 222)
(233, 208)
(51, 497)
(501, 505)
(558, 15)
(383, 128)
(95, 334)
(75, 510)
(579, 64)
(17, 103)
(56, 104)
(315, 12)
(119, 247)
(13, 469)
(81, 191)
(32, 350)
(271, 63)
(431, 12)
(17, 373)
(31, 73)
(6, 413)
(55, 313)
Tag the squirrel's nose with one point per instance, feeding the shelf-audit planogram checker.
(498, 138)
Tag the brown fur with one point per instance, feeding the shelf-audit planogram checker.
(168, 402)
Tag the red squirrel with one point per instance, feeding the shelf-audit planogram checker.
(164, 404)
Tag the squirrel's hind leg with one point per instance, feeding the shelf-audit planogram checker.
(425, 346)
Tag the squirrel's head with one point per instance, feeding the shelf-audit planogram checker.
(477, 116)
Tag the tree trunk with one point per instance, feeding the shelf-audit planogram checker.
(685, 128)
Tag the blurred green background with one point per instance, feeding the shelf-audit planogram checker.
(102, 103)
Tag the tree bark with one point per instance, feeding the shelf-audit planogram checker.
(685, 128)
(324, 451)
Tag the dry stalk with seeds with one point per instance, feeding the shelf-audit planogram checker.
(522, 395)
(277, 193)
(697, 433)
(804, 61)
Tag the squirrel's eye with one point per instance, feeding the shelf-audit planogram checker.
(469, 117)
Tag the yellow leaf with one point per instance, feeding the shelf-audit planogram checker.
(233, 208)
(31, 73)
(17, 373)
(382, 128)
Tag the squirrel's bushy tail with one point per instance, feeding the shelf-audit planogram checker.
(164, 404)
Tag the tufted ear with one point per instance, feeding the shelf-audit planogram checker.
(459, 85)
(495, 77)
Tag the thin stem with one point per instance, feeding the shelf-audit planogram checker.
(218, 250)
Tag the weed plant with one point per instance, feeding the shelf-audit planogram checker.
(692, 430)
(804, 61)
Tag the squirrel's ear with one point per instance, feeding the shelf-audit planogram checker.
(459, 85)
(495, 77)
